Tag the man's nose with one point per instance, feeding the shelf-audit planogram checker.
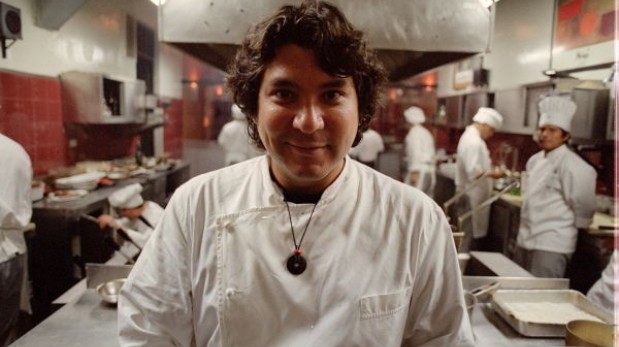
(309, 119)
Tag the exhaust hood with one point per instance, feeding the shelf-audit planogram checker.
(409, 36)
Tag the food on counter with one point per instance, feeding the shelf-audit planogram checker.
(548, 312)
(66, 195)
(87, 181)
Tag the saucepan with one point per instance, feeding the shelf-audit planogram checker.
(590, 334)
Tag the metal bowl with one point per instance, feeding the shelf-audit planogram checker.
(109, 291)
(589, 333)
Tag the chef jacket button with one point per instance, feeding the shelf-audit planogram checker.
(230, 292)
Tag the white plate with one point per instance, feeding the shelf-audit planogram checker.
(87, 181)
(66, 195)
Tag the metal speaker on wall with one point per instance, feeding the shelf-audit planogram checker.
(10, 22)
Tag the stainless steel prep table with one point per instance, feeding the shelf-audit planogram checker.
(88, 319)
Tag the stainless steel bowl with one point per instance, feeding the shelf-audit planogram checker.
(109, 291)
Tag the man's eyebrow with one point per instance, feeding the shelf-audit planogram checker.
(336, 83)
(282, 82)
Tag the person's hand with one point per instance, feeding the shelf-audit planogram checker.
(105, 220)
(413, 177)
(495, 172)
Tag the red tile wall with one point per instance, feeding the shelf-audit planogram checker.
(31, 114)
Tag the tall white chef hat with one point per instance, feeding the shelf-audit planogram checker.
(557, 110)
(414, 115)
(489, 116)
(236, 112)
(127, 197)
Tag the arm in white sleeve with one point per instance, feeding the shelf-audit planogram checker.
(472, 157)
(155, 305)
(579, 189)
(437, 315)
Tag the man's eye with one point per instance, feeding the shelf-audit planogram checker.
(332, 95)
(283, 94)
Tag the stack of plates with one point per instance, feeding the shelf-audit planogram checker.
(86, 181)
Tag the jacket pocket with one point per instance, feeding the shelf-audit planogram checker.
(384, 305)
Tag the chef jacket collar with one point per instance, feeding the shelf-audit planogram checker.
(556, 154)
(276, 195)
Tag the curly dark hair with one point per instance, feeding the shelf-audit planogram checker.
(340, 50)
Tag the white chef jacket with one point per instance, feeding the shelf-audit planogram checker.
(15, 201)
(604, 289)
(381, 269)
(139, 231)
(420, 156)
(370, 146)
(473, 160)
(235, 141)
(560, 197)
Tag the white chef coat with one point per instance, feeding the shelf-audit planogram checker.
(370, 146)
(472, 161)
(381, 269)
(603, 290)
(15, 201)
(139, 231)
(559, 199)
(420, 156)
(235, 141)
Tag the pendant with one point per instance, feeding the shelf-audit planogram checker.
(296, 264)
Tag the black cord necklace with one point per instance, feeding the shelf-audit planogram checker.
(296, 264)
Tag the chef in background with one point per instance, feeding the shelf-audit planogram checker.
(369, 149)
(235, 140)
(420, 152)
(473, 162)
(138, 218)
(15, 214)
(560, 195)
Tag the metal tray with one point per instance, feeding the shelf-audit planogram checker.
(502, 298)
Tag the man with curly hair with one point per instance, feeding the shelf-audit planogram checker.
(300, 246)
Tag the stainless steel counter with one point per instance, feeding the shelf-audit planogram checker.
(85, 322)
(89, 322)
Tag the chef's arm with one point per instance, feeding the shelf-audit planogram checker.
(579, 192)
(437, 313)
(139, 237)
(155, 305)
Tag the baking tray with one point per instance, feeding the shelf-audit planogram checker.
(545, 301)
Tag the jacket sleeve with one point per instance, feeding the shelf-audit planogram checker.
(579, 192)
(155, 307)
(437, 314)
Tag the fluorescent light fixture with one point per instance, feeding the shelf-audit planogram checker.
(158, 2)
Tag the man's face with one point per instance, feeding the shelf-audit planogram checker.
(307, 120)
(551, 137)
(131, 213)
(485, 131)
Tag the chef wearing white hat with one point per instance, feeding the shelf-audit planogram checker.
(560, 194)
(138, 218)
(420, 152)
(473, 162)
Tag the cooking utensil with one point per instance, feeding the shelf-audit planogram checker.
(590, 334)
(108, 291)
(483, 293)
(470, 301)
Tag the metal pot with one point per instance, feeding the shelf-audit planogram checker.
(590, 334)
(109, 291)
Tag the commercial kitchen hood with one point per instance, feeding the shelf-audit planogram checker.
(409, 36)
